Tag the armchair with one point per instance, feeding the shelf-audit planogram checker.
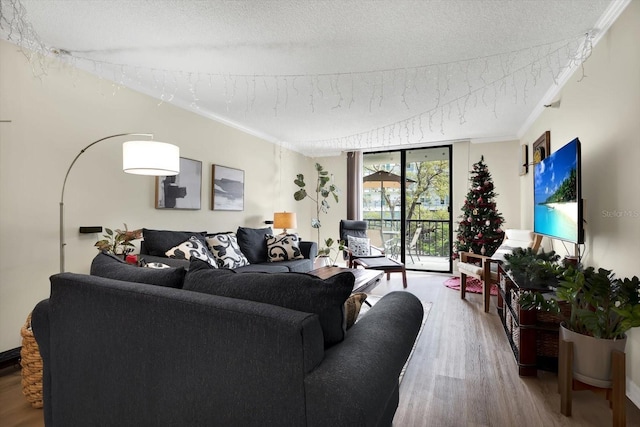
(485, 268)
(356, 256)
(358, 229)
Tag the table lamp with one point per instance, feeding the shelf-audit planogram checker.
(284, 220)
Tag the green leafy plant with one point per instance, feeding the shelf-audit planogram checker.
(324, 188)
(532, 268)
(118, 242)
(602, 306)
(326, 251)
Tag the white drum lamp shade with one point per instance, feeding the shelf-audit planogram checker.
(150, 158)
(139, 158)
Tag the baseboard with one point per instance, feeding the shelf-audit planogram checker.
(633, 392)
(10, 357)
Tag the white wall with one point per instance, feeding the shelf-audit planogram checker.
(603, 110)
(51, 120)
(502, 160)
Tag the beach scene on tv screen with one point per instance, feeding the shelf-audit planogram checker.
(556, 194)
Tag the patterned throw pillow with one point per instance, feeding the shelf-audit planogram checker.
(359, 246)
(225, 249)
(191, 248)
(283, 247)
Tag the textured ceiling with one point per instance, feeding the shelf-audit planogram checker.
(325, 76)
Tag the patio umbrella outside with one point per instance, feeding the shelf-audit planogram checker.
(386, 180)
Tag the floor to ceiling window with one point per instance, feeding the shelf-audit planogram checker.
(406, 203)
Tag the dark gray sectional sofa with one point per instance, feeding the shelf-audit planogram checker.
(211, 347)
(251, 242)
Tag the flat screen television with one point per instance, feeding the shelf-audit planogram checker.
(558, 195)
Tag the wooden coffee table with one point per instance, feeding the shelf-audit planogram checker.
(366, 280)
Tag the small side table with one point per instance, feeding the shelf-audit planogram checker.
(385, 264)
(567, 384)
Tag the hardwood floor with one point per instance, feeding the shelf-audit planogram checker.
(462, 373)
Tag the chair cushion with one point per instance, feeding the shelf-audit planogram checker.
(296, 291)
(470, 269)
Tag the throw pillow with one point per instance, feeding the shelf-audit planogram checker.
(226, 251)
(296, 291)
(158, 242)
(253, 244)
(109, 266)
(283, 247)
(191, 248)
(359, 246)
(352, 307)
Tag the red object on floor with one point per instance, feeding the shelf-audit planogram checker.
(473, 285)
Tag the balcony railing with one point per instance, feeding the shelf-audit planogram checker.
(432, 240)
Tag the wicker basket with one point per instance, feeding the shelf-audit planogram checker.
(31, 363)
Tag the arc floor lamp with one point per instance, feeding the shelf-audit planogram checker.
(138, 157)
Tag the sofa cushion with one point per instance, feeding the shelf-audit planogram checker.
(297, 291)
(224, 247)
(283, 247)
(158, 242)
(192, 248)
(110, 266)
(253, 244)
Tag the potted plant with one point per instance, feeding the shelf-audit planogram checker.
(118, 242)
(324, 188)
(602, 309)
(326, 252)
(533, 269)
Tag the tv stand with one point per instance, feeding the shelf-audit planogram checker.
(532, 334)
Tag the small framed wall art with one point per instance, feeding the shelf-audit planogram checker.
(182, 191)
(541, 147)
(227, 189)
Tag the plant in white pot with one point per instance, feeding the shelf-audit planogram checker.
(603, 309)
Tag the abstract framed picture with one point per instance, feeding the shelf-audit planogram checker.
(227, 189)
(182, 191)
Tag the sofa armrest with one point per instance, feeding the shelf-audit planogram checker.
(356, 383)
(309, 249)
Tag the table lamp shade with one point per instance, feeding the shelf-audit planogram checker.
(284, 220)
(150, 158)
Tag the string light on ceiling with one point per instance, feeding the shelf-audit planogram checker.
(431, 94)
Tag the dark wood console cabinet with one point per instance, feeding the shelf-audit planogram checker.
(533, 335)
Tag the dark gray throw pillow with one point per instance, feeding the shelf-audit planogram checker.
(253, 244)
(110, 266)
(157, 242)
(297, 291)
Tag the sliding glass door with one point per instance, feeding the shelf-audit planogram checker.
(406, 202)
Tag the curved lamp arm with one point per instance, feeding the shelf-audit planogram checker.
(64, 184)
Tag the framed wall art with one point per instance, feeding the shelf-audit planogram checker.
(227, 189)
(182, 191)
(524, 159)
(542, 147)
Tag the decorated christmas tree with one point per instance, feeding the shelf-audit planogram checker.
(479, 229)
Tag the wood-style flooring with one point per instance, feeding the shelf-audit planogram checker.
(462, 373)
